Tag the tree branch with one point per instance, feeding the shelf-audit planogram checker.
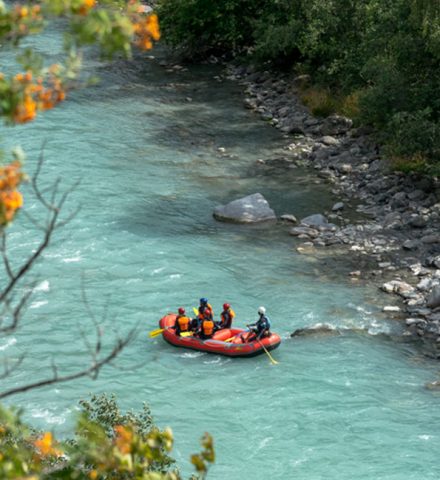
(92, 371)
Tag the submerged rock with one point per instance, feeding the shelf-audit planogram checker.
(251, 209)
(315, 330)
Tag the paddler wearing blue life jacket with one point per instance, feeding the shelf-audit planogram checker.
(261, 328)
(182, 323)
(226, 317)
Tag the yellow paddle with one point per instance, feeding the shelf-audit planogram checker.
(155, 333)
(274, 362)
(196, 312)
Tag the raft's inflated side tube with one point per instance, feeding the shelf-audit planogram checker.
(217, 343)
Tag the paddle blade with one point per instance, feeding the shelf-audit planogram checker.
(155, 333)
(196, 312)
(186, 334)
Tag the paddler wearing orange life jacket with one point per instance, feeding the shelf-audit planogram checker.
(205, 319)
(182, 323)
(226, 317)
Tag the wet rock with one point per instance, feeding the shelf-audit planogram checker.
(338, 206)
(417, 221)
(425, 284)
(415, 321)
(399, 287)
(344, 168)
(336, 125)
(410, 244)
(435, 385)
(416, 195)
(433, 261)
(430, 239)
(288, 218)
(317, 220)
(307, 231)
(399, 200)
(433, 300)
(330, 141)
(320, 329)
(391, 308)
(251, 209)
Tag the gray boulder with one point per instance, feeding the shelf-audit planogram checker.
(251, 209)
(336, 125)
(317, 221)
(433, 300)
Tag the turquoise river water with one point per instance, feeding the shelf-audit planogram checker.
(145, 145)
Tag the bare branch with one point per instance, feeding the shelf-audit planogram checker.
(52, 224)
(16, 311)
(92, 371)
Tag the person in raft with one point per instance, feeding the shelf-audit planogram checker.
(204, 311)
(182, 323)
(226, 317)
(261, 328)
(207, 328)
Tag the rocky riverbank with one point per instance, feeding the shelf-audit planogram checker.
(401, 232)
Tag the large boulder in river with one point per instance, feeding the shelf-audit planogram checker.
(251, 209)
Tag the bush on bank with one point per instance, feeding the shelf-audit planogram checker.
(108, 444)
(383, 56)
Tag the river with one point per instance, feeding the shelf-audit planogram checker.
(156, 149)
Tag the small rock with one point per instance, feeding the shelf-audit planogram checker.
(338, 206)
(415, 321)
(336, 125)
(309, 232)
(328, 140)
(391, 308)
(430, 239)
(410, 244)
(288, 218)
(397, 286)
(433, 300)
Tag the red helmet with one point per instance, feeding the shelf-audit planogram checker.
(226, 306)
(181, 311)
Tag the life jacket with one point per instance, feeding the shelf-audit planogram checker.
(208, 327)
(206, 312)
(183, 323)
(227, 317)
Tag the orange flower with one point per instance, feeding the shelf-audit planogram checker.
(45, 447)
(86, 6)
(123, 439)
(26, 111)
(153, 26)
(145, 31)
(93, 474)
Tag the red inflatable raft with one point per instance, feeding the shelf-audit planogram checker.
(217, 344)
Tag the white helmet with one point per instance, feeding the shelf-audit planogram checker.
(261, 310)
